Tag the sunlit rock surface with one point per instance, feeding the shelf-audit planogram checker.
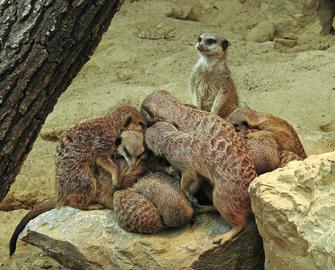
(92, 240)
(295, 213)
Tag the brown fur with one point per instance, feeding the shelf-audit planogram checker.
(213, 159)
(105, 194)
(162, 106)
(88, 144)
(268, 125)
(135, 213)
(165, 194)
(155, 193)
(211, 85)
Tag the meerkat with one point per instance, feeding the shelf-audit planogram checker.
(265, 152)
(217, 160)
(166, 195)
(162, 106)
(211, 85)
(78, 182)
(268, 125)
(153, 203)
(92, 142)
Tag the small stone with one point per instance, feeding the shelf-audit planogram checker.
(284, 42)
(262, 32)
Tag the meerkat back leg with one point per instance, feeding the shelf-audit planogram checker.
(109, 165)
(190, 183)
(228, 236)
(233, 212)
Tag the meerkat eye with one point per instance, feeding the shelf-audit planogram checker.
(126, 152)
(245, 124)
(211, 41)
(199, 39)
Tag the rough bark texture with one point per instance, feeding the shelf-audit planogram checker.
(43, 45)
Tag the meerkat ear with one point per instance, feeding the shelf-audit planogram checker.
(127, 122)
(225, 44)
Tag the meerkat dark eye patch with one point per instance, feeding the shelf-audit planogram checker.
(245, 124)
(225, 44)
(210, 41)
(126, 152)
(199, 39)
(118, 141)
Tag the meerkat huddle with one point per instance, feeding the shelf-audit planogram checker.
(213, 144)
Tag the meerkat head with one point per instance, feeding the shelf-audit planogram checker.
(129, 117)
(244, 118)
(212, 45)
(156, 105)
(154, 135)
(130, 146)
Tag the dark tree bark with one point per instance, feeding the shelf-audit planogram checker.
(43, 45)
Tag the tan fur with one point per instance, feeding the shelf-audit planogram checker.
(88, 144)
(211, 86)
(263, 151)
(103, 196)
(154, 202)
(268, 125)
(135, 213)
(165, 194)
(162, 106)
(217, 160)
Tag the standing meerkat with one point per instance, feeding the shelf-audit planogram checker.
(211, 85)
(132, 143)
(152, 204)
(217, 160)
(268, 125)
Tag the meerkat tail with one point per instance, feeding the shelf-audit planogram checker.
(36, 211)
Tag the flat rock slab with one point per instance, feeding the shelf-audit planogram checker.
(92, 240)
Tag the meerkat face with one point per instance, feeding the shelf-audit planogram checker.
(211, 44)
(240, 117)
(131, 147)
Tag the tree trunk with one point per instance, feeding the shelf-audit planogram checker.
(43, 45)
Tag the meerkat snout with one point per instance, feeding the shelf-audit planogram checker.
(131, 147)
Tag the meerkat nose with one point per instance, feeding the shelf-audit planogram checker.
(200, 47)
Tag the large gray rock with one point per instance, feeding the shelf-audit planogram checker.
(295, 213)
(92, 240)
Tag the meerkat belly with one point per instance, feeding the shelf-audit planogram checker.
(207, 92)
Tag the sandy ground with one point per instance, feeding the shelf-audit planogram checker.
(144, 50)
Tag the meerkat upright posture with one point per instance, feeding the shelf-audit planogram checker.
(211, 85)
(268, 125)
(217, 160)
